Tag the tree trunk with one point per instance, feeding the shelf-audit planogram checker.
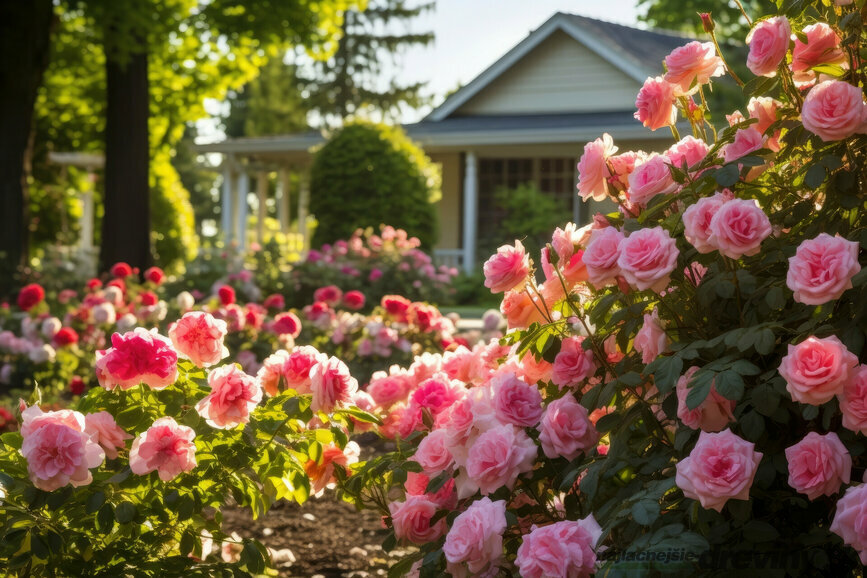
(25, 33)
(126, 220)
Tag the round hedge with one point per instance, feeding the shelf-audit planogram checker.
(370, 174)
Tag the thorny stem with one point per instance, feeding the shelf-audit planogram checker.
(674, 132)
(744, 12)
(723, 58)
(536, 305)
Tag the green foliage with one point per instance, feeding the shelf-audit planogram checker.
(173, 227)
(368, 174)
(682, 15)
(530, 215)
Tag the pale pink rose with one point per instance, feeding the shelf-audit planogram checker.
(103, 429)
(720, 467)
(738, 228)
(458, 364)
(769, 42)
(850, 519)
(736, 117)
(822, 269)
(457, 421)
(655, 104)
(433, 452)
(834, 110)
(138, 356)
(692, 65)
(822, 47)
(697, 218)
(816, 370)
(411, 520)
(566, 239)
(818, 465)
(425, 366)
(650, 178)
(593, 171)
(747, 140)
(498, 457)
(564, 549)
(853, 401)
(198, 336)
(647, 258)
(388, 389)
(622, 166)
(601, 256)
(507, 269)
(166, 447)
(566, 430)
(515, 401)
(331, 385)
(714, 413)
(687, 152)
(520, 310)
(651, 339)
(321, 473)
(474, 543)
(234, 394)
(573, 364)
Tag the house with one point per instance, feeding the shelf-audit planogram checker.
(524, 119)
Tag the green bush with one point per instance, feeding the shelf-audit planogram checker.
(173, 226)
(369, 174)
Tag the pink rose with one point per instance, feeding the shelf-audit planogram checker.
(714, 413)
(354, 300)
(822, 47)
(834, 110)
(593, 169)
(331, 385)
(437, 393)
(816, 370)
(234, 394)
(655, 104)
(105, 431)
(507, 269)
(411, 520)
(445, 498)
(747, 140)
(720, 467)
(687, 152)
(818, 465)
(433, 453)
(850, 519)
(692, 65)
(475, 540)
(566, 239)
(388, 389)
(535, 371)
(138, 356)
(198, 336)
(330, 294)
(853, 401)
(622, 166)
(515, 401)
(601, 256)
(296, 369)
(286, 324)
(738, 228)
(769, 42)
(497, 458)
(564, 549)
(651, 339)
(822, 269)
(764, 109)
(650, 178)
(647, 258)
(457, 421)
(166, 447)
(566, 430)
(697, 218)
(573, 364)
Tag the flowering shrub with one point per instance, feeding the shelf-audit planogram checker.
(685, 390)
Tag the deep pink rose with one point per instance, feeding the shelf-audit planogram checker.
(138, 356)
(437, 393)
(822, 269)
(816, 370)
(818, 465)
(687, 152)
(104, 430)
(697, 218)
(234, 394)
(655, 104)
(738, 228)
(286, 324)
(515, 401)
(714, 413)
(601, 256)
(647, 258)
(651, 339)
(566, 430)
(331, 385)
(834, 110)
(330, 294)
(475, 540)
(850, 519)
(853, 401)
(692, 65)
(573, 364)
(166, 447)
(433, 452)
(822, 47)
(769, 41)
(565, 549)
(354, 300)
(593, 169)
(198, 336)
(411, 520)
(720, 467)
(650, 178)
(507, 269)
(497, 458)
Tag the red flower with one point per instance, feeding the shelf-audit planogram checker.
(76, 385)
(117, 283)
(148, 298)
(121, 270)
(227, 295)
(30, 296)
(354, 299)
(286, 323)
(94, 284)
(396, 306)
(66, 336)
(275, 301)
(155, 275)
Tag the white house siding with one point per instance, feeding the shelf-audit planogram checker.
(449, 207)
(560, 75)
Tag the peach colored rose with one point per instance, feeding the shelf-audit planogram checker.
(714, 413)
(696, 221)
(818, 465)
(601, 256)
(166, 447)
(475, 540)
(834, 110)
(593, 172)
(534, 371)
(519, 309)
(850, 519)
(198, 336)
(764, 109)
(103, 429)
(769, 41)
(411, 520)
(650, 178)
(853, 400)
(321, 473)
(822, 269)
(651, 339)
(738, 228)
(647, 258)
(507, 269)
(822, 47)
(816, 369)
(720, 467)
(692, 65)
(234, 394)
(655, 104)
(496, 459)
(565, 549)
(566, 430)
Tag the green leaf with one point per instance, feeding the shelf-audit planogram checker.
(645, 512)
(727, 175)
(752, 425)
(38, 546)
(775, 298)
(744, 367)
(666, 372)
(730, 385)
(699, 388)
(436, 483)
(105, 519)
(759, 531)
(125, 512)
(765, 341)
(815, 176)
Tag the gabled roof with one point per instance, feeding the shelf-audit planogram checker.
(638, 53)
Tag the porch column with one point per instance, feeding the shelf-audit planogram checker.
(227, 200)
(471, 204)
(283, 196)
(241, 210)
(85, 222)
(262, 194)
(303, 200)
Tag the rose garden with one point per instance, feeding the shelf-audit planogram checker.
(678, 386)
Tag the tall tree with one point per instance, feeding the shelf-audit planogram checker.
(25, 32)
(683, 14)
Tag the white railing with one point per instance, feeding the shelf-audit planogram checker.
(449, 257)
